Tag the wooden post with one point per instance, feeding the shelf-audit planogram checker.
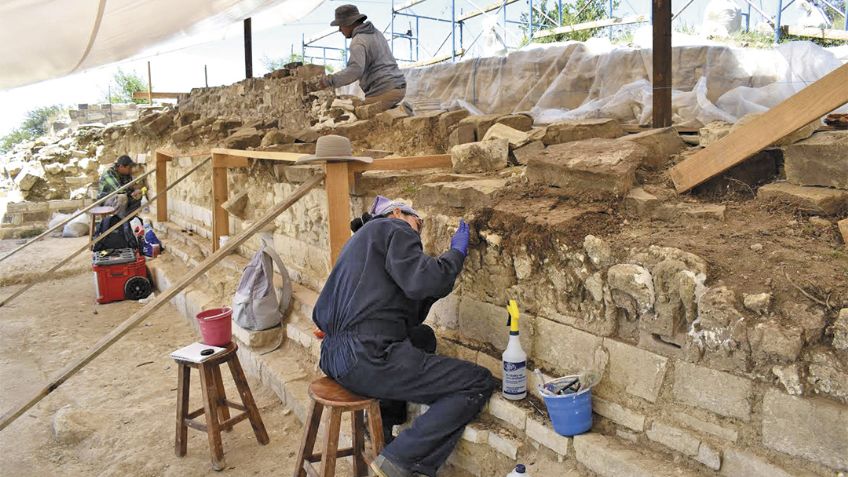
(220, 217)
(161, 184)
(338, 205)
(149, 85)
(248, 50)
(661, 14)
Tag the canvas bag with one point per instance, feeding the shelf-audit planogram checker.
(255, 304)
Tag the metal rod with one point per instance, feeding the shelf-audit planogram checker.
(101, 236)
(80, 212)
(777, 21)
(453, 31)
(425, 17)
(205, 76)
(392, 37)
(530, 22)
(674, 17)
(248, 49)
(149, 85)
(790, 4)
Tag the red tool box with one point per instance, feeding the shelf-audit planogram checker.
(120, 275)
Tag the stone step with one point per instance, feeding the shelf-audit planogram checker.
(612, 457)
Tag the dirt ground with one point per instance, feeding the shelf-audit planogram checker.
(115, 417)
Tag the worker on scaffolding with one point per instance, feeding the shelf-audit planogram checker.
(372, 310)
(113, 179)
(370, 61)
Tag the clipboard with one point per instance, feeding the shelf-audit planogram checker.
(191, 353)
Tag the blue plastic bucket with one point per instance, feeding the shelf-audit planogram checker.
(571, 414)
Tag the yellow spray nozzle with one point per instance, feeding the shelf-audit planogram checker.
(512, 308)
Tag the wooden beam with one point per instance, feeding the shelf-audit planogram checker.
(104, 343)
(822, 33)
(220, 217)
(161, 183)
(488, 8)
(661, 13)
(248, 49)
(809, 104)
(404, 163)
(338, 206)
(154, 95)
(272, 155)
(589, 25)
(229, 162)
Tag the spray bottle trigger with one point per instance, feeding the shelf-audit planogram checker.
(508, 319)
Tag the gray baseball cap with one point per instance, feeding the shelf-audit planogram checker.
(347, 15)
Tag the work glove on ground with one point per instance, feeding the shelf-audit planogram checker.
(459, 241)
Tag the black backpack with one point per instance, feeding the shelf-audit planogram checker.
(122, 237)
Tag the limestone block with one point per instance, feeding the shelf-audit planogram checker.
(27, 179)
(235, 205)
(494, 365)
(578, 130)
(715, 391)
(640, 202)
(521, 122)
(674, 438)
(355, 130)
(817, 200)
(692, 422)
(672, 212)
(618, 414)
(53, 168)
(661, 144)
(505, 444)
(840, 330)
(757, 302)
(388, 118)
(507, 411)
(475, 434)
(88, 164)
(607, 457)
(276, 136)
(826, 374)
(462, 134)
(842, 225)
(264, 340)
(708, 456)
(480, 156)
(790, 377)
(567, 350)
(461, 194)
(524, 153)
(739, 462)
(598, 251)
(183, 134)
(450, 119)
(445, 313)
(243, 138)
(515, 137)
(544, 434)
(821, 160)
(770, 341)
(813, 429)
(601, 167)
(632, 288)
(480, 123)
(423, 121)
(713, 131)
(635, 370)
(486, 323)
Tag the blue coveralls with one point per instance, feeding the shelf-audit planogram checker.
(382, 286)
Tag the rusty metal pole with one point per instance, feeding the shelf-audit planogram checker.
(248, 50)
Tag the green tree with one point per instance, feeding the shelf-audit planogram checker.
(546, 15)
(124, 84)
(272, 64)
(33, 126)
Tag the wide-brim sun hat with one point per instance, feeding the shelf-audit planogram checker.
(332, 148)
(347, 15)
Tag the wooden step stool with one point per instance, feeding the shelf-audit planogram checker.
(215, 404)
(325, 392)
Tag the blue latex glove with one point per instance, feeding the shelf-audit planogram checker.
(459, 241)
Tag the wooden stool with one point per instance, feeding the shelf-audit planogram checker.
(215, 404)
(95, 213)
(327, 393)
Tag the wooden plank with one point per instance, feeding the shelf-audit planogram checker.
(809, 104)
(589, 25)
(230, 162)
(104, 343)
(220, 194)
(480, 11)
(154, 95)
(161, 184)
(822, 33)
(272, 155)
(661, 12)
(338, 205)
(404, 163)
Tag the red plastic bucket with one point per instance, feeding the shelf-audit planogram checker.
(216, 327)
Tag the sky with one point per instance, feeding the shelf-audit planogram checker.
(183, 69)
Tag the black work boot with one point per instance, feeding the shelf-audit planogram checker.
(385, 468)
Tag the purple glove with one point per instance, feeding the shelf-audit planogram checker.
(459, 241)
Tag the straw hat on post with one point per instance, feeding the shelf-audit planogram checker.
(332, 148)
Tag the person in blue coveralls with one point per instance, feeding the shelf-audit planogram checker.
(372, 310)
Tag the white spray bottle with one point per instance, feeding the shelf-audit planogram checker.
(514, 359)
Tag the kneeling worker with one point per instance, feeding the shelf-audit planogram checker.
(370, 61)
(371, 311)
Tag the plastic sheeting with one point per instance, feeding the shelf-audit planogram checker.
(44, 39)
(595, 79)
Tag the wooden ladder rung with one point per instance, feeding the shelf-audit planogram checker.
(194, 414)
(341, 453)
(233, 420)
(235, 405)
(195, 425)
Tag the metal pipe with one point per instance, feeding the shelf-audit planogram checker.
(425, 17)
(610, 16)
(453, 31)
(417, 40)
(777, 21)
(530, 22)
(392, 37)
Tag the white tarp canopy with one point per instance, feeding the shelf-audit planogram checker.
(44, 39)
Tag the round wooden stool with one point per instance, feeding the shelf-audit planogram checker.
(325, 392)
(215, 404)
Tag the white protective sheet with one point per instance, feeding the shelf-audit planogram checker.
(594, 79)
(44, 39)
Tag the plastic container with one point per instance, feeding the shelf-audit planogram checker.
(216, 326)
(113, 273)
(571, 414)
(519, 471)
(514, 360)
